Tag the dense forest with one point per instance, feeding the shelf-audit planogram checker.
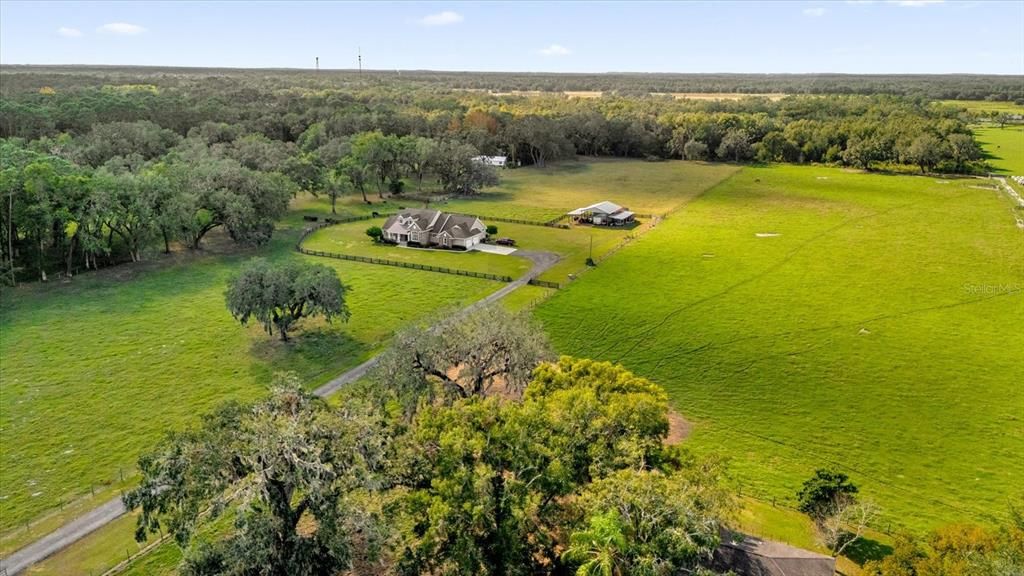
(101, 164)
(931, 86)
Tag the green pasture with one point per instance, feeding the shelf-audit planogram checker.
(543, 194)
(808, 316)
(985, 106)
(110, 361)
(1004, 148)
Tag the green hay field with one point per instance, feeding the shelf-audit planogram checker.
(873, 326)
(985, 106)
(106, 364)
(1004, 148)
(543, 194)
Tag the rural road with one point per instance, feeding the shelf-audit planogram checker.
(113, 509)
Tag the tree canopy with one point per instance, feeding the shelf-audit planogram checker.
(467, 485)
(279, 294)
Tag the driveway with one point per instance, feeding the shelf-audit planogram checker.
(494, 249)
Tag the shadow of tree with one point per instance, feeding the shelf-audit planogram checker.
(865, 549)
(315, 354)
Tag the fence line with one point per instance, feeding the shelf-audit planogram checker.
(555, 221)
(509, 220)
(399, 264)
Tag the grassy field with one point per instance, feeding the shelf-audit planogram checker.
(644, 187)
(107, 363)
(540, 195)
(807, 317)
(985, 106)
(1004, 148)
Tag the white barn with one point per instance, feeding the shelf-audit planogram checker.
(603, 214)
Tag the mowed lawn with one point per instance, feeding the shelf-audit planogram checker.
(546, 193)
(806, 317)
(1004, 148)
(95, 371)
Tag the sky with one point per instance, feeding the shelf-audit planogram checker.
(901, 36)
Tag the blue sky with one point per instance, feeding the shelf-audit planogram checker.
(922, 36)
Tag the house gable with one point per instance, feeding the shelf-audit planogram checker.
(431, 226)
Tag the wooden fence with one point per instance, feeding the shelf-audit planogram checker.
(399, 264)
(509, 220)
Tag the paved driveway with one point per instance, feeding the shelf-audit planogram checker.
(494, 249)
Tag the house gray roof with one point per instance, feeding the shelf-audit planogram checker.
(436, 222)
(604, 207)
(422, 217)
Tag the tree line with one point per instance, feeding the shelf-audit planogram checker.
(992, 87)
(855, 130)
(122, 188)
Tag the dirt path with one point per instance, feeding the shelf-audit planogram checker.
(113, 509)
(1016, 198)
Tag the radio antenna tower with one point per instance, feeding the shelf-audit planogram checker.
(317, 63)
(360, 49)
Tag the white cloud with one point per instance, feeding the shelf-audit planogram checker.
(441, 19)
(814, 11)
(69, 32)
(121, 28)
(915, 3)
(555, 50)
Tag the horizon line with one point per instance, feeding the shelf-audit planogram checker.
(439, 71)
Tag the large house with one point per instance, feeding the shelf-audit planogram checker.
(434, 228)
(603, 214)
